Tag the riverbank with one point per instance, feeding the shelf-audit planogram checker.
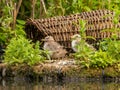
(59, 70)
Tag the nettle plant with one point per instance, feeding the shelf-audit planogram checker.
(107, 55)
(101, 59)
(5, 25)
(22, 51)
(84, 52)
(109, 48)
(111, 45)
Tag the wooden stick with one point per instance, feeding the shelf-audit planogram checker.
(18, 7)
(33, 8)
(44, 6)
(43, 10)
(14, 16)
(15, 12)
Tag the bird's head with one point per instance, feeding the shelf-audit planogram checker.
(76, 36)
(48, 39)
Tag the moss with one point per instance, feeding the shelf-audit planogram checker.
(91, 72)
(70, 71)
(57, 72)
(111, 72)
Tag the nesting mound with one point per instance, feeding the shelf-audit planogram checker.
(63, 27)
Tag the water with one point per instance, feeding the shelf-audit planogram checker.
(22, 84)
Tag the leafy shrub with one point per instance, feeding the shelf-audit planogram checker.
(101, 59)
(7, 28)
(84, 53)
(19, 30)
(5, 25)
(20, 50)
(112, 47)
(108, 53)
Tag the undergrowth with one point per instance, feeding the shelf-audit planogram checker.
(22, 51)
(108, 53)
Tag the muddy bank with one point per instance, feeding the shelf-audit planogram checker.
(59, 70)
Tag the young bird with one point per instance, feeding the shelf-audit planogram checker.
(56, 51)
(76, 41)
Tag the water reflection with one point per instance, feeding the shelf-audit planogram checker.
(22, 84)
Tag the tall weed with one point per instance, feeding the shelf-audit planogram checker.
(23, 51)
(107, 55)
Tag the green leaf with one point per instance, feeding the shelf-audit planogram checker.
(22, 22)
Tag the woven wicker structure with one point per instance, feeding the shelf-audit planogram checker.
(63, 27)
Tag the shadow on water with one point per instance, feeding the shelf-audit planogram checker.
(20, 83)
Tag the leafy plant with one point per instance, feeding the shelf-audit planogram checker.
(5, 24)
(84, 52)
(111, 46)
(19, 30)
(101, 59)
(83, 55)
(22, 51)
(107, 55)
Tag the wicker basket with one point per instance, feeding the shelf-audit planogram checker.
(63, 27)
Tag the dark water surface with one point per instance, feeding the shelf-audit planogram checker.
(22, 84)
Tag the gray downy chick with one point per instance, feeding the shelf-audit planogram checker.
(56, 51)
(76, 41)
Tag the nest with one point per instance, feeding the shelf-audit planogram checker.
(63, 27)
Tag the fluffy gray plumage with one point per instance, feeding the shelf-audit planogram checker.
(55, 49)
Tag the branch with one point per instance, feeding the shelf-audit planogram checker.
(14, 16)
(33, 8)
(15, 12)
(42, 1)
(18, 7)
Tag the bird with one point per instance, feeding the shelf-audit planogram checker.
(56, 51)
(76, 39)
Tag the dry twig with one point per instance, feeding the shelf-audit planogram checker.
(15, 12)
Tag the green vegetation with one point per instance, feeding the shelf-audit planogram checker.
(13, 14)
(21, 51)
(5, 21)
(107, 55)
